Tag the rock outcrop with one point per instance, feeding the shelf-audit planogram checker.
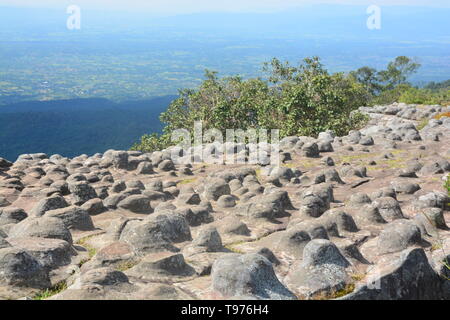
(364, 216)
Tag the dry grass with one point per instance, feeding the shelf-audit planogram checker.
(441, 115)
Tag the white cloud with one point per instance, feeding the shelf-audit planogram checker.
(190, 6)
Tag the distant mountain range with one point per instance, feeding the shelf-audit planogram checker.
(79, 126)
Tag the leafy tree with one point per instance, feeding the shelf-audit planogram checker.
(438, 85)
(301, 100)
(369, 78)
(398, 71)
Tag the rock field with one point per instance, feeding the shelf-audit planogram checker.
(363, 216)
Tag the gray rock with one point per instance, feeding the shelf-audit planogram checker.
(328, 161)
(368, 214)
(216, 187)
(118, 186)
(41, 227)
(145, 167)
(94, 207)
(322, 271)
(19, 268)
(188, 199)
(389, 208)
(51, 203)
(349, 171)
(209, 238)
(102, 277)
(281, 173)
(5, 163)
(328, 135)
(73, 218)
(233, 226)
(247, 275)
(136, 203)
(405, 187)
(156, 233)
(310, 150)
(50, 253)
(166, 266)
(154, 185)
(196, 215)
(321, 252)
(325, 146)
(313, 206)
(358, 199)
(341, 219)
(366, 141)
(135, 184)
(434, 199)
(354, 137)
(429, 220)
(166, 165)
(399, 235)
(12, 215)
(226, 201)
(119, 159)
(384, 192)
(269, 255)
(4, 202)
(331, 175)
(323, 190)
(112, 201)
(82, 192)
(431, 169)
(408, 278)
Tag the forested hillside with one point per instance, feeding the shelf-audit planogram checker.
(72, 127)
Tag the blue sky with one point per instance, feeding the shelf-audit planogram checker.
(195, 6)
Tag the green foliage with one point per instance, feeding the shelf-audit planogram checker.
(438, 85)
(47, 293)
(425, 96)
(74, 127)
(150, 143)
(298, 100)
(411, 95)
(369, 78)
(388, 96)
(302, 100)
(386, 86)
(422, 124)
(447, 184)
(398, 71)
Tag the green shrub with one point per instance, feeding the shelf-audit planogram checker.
(425, 96)
(303, 100)
(47, 293)
(298, 100)
(447, 185)
(151, 142)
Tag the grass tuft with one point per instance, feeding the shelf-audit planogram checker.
(125, 265)
(422, 124)
(187, 181)
(47, 293)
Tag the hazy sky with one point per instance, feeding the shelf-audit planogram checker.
(193, 6)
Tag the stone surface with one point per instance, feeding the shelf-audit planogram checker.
(247, 275)
(359, 216)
